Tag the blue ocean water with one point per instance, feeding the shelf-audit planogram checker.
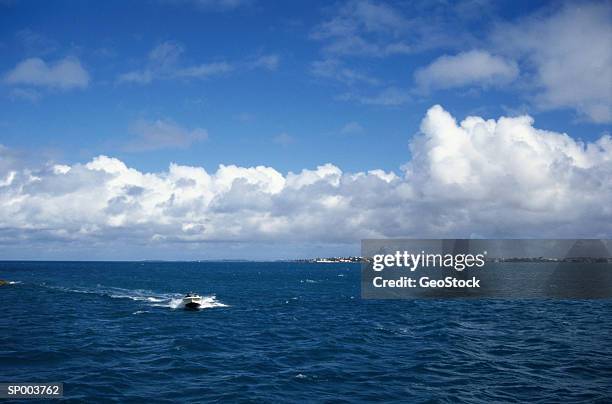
(288, 332)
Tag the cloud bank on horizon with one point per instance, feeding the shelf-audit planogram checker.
(477, 178)
(329, 114)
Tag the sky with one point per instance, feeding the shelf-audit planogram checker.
(209, 129)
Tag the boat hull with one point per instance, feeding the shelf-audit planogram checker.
(192, 306)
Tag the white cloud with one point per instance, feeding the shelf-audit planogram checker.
(268, 62)
(164, 62)
(335, 69)
(569, 53)
(475, 67)
(162, 134)
(204, 70)
(370, 28)
(166, 55)
(488, 178)
(64, 74)
(136, 76)
(364, 28)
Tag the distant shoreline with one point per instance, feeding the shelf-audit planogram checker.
(591, 260)
(329, 260)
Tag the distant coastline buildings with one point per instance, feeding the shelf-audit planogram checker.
(359, 259)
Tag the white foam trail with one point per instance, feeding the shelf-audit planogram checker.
(154, 299)
(175, 303)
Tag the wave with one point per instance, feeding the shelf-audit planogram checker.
(154, 299)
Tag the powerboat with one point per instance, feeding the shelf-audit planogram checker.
(192, 301)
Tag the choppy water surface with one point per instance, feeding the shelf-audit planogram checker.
(290, 332)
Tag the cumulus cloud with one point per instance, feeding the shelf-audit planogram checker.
(64, 74)
(163, 134)
(569, 55)
(475, 67)
(480, 177)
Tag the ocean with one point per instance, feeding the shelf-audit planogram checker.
(288, 332)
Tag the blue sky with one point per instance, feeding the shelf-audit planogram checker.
(245, 111)
(290, 85)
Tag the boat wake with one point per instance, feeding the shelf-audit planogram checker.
(153, 299)
(208, 302)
